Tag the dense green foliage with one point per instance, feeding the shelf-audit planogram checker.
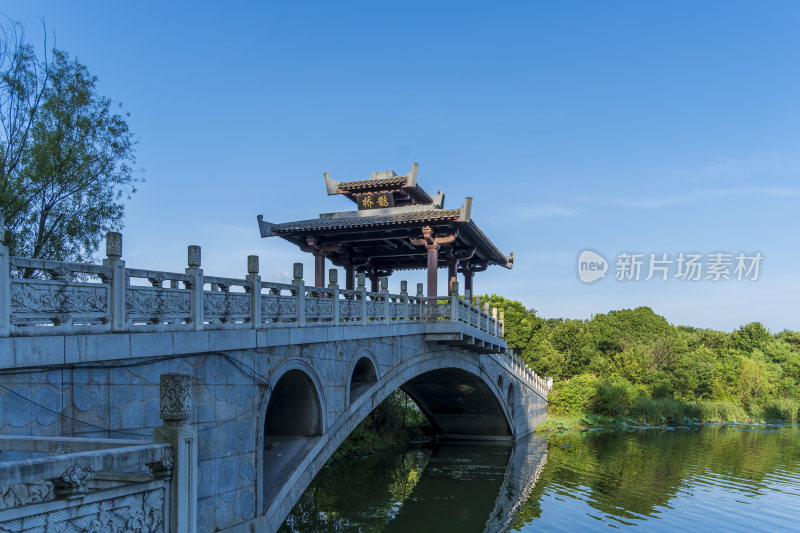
(396, 420)
(66, 158)
(634, 363)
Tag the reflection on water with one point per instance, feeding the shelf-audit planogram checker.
(736, 478)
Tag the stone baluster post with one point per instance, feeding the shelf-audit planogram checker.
(420, 301)
(255, 291)
(404, 297)
(333, 284)
(454, 300)
(196, 274)
(503, 324)
(478, 314)
(119, 284)
(488, 320)
(300, 288)
(385, 297)
(5, 283)
(175, 401)
(362, 295)
(494, 321)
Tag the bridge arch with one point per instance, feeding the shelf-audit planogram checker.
(364, 371)
(292, 420)
(420, 376)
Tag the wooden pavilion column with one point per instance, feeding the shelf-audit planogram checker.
(432, 244)
(349, 278)
(468, 273)
(374, 278)
(452, 276)
(315, 247)
(319, 269)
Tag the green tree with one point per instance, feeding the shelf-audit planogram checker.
(66, 158)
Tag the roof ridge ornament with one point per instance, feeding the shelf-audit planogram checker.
(411, 177)
(331, 185)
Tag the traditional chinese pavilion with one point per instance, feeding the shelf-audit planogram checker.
(397, 226)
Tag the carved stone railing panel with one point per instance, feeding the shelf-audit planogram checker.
(437, 310)
(463, 311)
(226, 307)
(374, 310)
(26, 494)
(349, 310)
(414, 306)
(278, 308)
(127, 508)
(396, 310)
(36, 301)
(156, 305)
(319, 305)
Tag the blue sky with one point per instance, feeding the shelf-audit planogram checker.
(651, 127)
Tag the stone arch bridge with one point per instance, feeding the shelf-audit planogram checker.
(253, 383)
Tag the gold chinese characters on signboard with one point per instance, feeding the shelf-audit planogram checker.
(375, 200)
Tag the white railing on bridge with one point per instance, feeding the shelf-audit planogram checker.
(43, 297)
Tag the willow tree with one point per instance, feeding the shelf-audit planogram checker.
(66, 158)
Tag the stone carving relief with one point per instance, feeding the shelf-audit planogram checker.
(147, 301)
(275, 306)
(25, 494)
(141, 512)
(319, 308)
(77, 475)
(175, 396)
(43, 297)
(349, 308)
(222, 304)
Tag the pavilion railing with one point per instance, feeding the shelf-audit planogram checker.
(43, 297)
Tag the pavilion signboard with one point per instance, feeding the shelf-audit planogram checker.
(374, 200)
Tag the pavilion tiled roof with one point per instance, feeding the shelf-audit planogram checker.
(394, 181)
(366, 221)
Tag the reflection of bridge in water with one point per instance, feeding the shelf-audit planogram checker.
(256, 383)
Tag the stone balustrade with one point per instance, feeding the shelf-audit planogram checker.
(41, 297)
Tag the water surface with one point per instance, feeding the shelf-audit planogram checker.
(734, 478)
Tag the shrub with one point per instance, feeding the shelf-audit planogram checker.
(574, 396)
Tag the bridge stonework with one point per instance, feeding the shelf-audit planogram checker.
(270, 401)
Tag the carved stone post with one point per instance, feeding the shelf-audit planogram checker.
(196, 274)
(175, 401)
(114, 261)
(255, 291)
(454, 301)
(385, 297)
(362, 296)
(5, 283)
(404, 296)
(494, 321)
(502, 324)
(333, 283)
(300, 287)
